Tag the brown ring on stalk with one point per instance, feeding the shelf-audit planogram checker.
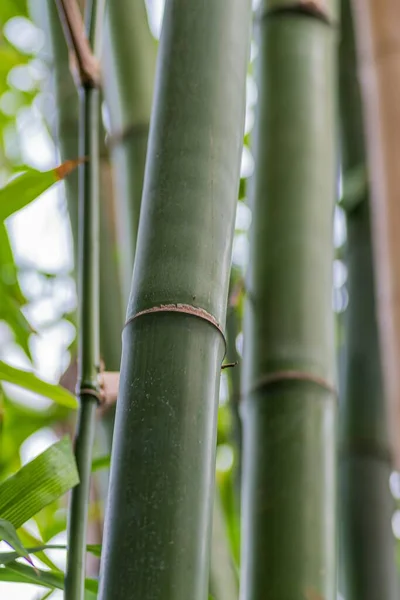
(312, 8)
(91, 392)
(283, 376)
(186, 309)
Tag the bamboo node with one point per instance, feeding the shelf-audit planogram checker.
(291, 375)
(316, 9)
(88, 391)
(187, 309)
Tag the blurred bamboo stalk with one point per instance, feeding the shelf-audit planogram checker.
(288, 409)
(367, 541)
(378, 45)
(129, 61)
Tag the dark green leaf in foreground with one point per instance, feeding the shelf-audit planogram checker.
(30, 382)
(29, 185)
(37, 484)
(8, 534)
(8, 557)
(18, 573)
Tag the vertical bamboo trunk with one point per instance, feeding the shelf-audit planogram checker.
(368, 562)
(157, 530)
(289, 403)
(378, 45)
(64, 124)
(129, 60)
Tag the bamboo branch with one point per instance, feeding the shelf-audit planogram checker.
(84, 65)
(108, 382)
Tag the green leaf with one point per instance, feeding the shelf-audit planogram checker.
(8, 534)
(11, 313)
(37, 484)
(102, 462)
(12, 8)
(29, 381)
(7, 557)
(8, 268)
(18, 573)
(355, 187)
(28, 186)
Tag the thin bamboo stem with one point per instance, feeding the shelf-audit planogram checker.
(378, 49)
(367, 542)
(88, 317)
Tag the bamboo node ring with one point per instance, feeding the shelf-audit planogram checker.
(86, 391)
(187, 309)
(292, 375)
(313, 8)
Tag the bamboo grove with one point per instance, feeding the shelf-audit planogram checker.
(227, 425)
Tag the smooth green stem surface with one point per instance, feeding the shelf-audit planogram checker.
(158, 523)
(289, 407)
(129, 61)
(78, 509)
(88, 340)
(88, 319)
(366, 505)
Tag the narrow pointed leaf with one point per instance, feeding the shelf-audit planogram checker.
(19, 573)
(8, 534)
(8, 557)
(30, 185)
(8, 268)
(102, 462)
(37, 484)
(30, 382)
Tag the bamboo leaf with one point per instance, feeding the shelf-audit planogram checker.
(30, 184)
(11, 313)
(8, 269)
(355, 186)
(18, 573)
(37, 484)
(102, 462)
(8, 534)
(29, 381)
(8, 557)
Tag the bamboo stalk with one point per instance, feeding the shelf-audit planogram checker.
(368, 547)
(129, 60)
(88, 289)
(64, 125)
(157, 531)
(289, 406)
(378, 46)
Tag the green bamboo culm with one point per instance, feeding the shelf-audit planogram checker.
(288, 409)
(88, 314)
(129, 62)
(157, 531)
(366, 505)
